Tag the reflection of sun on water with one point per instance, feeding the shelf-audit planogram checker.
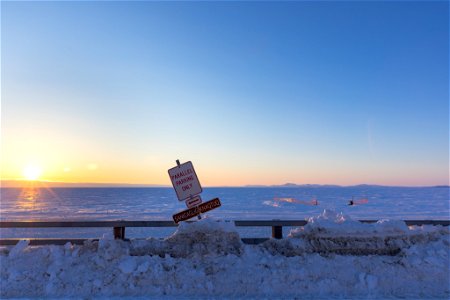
(28, 197)
(35, 198)
(30, 193)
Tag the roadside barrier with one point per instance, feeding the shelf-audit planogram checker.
(120, 226)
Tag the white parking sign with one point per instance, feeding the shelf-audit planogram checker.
(185, 181)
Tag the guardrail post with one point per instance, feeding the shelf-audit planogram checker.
(277, 232)
(119, 233)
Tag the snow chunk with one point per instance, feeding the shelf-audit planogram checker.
(19, 248)
(206, 225)
(112, 249)
(332, 223)
(127, 265)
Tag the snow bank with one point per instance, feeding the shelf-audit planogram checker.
(207, 258)
(207, 237)
(333, 232)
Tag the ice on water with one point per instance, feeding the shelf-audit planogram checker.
(393, 203)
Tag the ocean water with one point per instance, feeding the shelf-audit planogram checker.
(237, 204)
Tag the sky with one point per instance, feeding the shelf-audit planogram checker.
(250, 92)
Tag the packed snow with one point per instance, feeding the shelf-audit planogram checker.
(332, 256)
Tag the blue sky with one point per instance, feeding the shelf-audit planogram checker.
(252, 93)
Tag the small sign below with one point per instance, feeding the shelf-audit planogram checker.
(210, 205)
(185, 181)
(196, 210)
(185, 214)
(191, 202)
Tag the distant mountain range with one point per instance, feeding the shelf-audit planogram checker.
(25, 183)
(293, 185)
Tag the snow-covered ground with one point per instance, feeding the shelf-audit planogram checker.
(331, 257)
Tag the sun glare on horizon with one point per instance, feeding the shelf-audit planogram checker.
(32, 172)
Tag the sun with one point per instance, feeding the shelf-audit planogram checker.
(32, 172)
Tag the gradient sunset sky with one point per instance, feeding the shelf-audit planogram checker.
(250, 92)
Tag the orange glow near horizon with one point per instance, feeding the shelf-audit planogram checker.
(113, 169)
(91, 173)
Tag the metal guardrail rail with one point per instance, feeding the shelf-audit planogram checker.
(119, 228)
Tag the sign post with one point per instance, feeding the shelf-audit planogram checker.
(184, 180)
(187, 187)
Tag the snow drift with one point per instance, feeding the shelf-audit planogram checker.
(332, 256)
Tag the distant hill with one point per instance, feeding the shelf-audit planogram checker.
(292, 185)
(308, 185)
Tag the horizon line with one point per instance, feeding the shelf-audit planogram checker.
(16, 183)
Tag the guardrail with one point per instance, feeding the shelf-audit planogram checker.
(119, 228)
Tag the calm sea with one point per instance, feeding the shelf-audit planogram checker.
(237, 204)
